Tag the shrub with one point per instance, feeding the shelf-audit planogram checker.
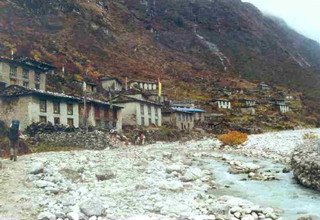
(3, 129)
(310, 136)
(233, 138)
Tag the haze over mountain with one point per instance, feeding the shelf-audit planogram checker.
(303, 16)
(185, 42)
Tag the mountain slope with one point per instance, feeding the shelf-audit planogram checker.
(181, 41)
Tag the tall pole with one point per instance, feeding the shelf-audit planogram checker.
(85, 116)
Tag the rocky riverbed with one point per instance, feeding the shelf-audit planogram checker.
(191, 180)
(306, 165)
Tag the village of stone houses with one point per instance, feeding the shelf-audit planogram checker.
(121, 149)
(127, 145)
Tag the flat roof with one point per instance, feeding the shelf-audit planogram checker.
(28, 63)
(16, 91)
(189, 110)
(108, 78)
(127, 99)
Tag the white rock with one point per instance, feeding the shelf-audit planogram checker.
(92, 207)
(192, 173)
(36, 168)
(247, 217)
(173, 185)
(174, 167)
(73, 216)
(46, 216)
(237, 214)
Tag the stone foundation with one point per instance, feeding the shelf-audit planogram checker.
(92, 140)
(305, 163)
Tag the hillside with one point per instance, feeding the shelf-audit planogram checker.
(181, 41)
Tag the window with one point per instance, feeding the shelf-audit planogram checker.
(115, 115)
(37, 77)
(56, 107)
(142, 109)
(70, 122)
(98, 123)
(25, 74)
(142, 121)
(13, 71)
(156, 112)
(150, 121)
(106, 114)
(43, 119)
(156, 121)
(37, 86)
(97, 112)
(56, 121)
(43, 106)
(149, 110)
(70, 109)
(26, 84)
(13, 81)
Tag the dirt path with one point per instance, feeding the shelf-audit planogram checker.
(14, 191)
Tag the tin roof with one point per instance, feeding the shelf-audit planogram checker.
(189, 110)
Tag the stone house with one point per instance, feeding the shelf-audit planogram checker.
(177, 117)
(112, 84)
(190, 107)
(278, 101)
(24, 72)
(183, 104)
(143, 85)
(283, 108)
(31, 105)
(263, 87)
(138, 111)
(90, 86)
(101, 115)
(222, 103)
(247, 102)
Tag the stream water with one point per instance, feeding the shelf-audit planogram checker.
(284, 194)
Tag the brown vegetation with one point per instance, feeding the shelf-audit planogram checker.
(233, 138)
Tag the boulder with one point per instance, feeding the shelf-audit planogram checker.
(73, 216)
(305, 163)
(46, 216)
(36, 168)
(173, 185)
(192, 174)
(175, 167)
(92, 207)
(103, 175)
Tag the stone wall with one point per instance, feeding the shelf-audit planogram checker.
(92, 140)
(305, 163)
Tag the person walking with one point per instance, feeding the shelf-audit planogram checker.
(142, 138)
(13, 136)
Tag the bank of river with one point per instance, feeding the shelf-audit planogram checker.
(162, 181)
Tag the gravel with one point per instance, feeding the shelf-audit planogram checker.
(158, 181)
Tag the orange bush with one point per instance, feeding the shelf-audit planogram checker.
(233, 138)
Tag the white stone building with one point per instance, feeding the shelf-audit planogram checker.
(111, 84)
(138, 111)
(143, 85)
(222, 103)
(24, 72)
(31, 105)
(183, 120)
(283, 108)
(100, 114)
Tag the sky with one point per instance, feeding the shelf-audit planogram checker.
(301, 15)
